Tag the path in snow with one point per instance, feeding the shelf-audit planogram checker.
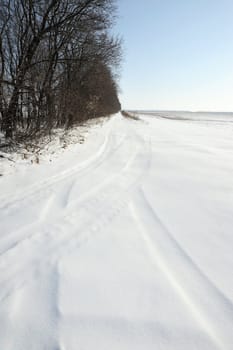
(129, 249)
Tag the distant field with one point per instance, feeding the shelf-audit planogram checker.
(194, 116)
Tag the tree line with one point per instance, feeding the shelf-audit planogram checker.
(57, 64)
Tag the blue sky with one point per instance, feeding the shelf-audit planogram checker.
(178, 54)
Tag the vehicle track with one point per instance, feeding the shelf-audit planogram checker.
(83, 219)
(37, 189)
(209, 306)
(58, 203)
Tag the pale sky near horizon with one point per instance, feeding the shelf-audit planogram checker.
(178, 54)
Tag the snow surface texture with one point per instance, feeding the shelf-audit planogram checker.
(124, 242)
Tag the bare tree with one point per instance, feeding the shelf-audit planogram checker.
(47, 49)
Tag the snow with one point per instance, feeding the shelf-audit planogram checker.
(122, 242)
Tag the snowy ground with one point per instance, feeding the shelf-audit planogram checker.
(123, 242)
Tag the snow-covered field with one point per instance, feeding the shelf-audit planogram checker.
(123, 242)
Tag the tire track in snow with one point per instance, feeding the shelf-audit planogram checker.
(211, 309)
(52, 241)
(51, 245)
(48, 213)
(60, 197)
(45, 184)
(33, 258)
(57, 206)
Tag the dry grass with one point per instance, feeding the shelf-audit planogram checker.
(130, 115)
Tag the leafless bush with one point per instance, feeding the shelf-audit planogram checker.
(129, 115)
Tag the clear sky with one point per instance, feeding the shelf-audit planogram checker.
(178, 54)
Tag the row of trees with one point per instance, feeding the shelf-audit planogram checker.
(57, 64)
